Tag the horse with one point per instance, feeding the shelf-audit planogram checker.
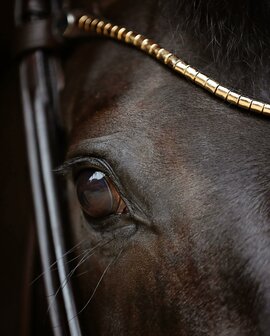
(188, 252)
(168, 188)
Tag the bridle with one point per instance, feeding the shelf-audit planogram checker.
(41, 81)
(40, 35)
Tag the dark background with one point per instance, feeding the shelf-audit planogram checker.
(16, 235)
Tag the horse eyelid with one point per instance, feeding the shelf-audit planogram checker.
(69, 167)
(63, 170)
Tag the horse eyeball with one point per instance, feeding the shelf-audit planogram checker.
(97, 195)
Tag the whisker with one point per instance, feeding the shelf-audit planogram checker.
(99, 282)
(86, 255)
(82, 273)
(100, 279)
(55, 262)
(54, 268)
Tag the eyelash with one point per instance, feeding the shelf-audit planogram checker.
(89, 163)
(73, 167)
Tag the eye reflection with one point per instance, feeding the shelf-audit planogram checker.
(97, 194)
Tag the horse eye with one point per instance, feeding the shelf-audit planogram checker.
(97, 195)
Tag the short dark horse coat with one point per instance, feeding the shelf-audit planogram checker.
(178, 241)
(190, 254)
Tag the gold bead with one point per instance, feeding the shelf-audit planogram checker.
(114, 31)
(222, 92)
(233, 97)
(129, 37)
(121, 33)
(159, 52)
(82, 21)
(144, 44)
(181, 67)
(132, 37)
(201, 79)
(154, 49)
(191, 73)
(266, 109)
(166, 58)
(163, 55)
(172, 60)
(151, 47)
(256, 106)
(87, 24)
(94, 23)
(107, 29)
(100, 27)
(244, 102)
(137, 42)
(211, 85)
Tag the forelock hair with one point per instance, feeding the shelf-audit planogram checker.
(232, 29)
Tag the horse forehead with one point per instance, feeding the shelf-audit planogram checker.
(131, 90)
(131, 93)
(151, 106)
(140, 111)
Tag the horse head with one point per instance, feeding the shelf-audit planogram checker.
(169, 191)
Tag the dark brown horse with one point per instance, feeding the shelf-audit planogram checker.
(173, 234)
(189, 255)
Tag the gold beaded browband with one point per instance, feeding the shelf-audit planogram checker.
(86, 23)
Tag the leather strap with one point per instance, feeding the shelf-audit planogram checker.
(38, 34)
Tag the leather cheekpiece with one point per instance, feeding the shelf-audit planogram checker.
(39, 34)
